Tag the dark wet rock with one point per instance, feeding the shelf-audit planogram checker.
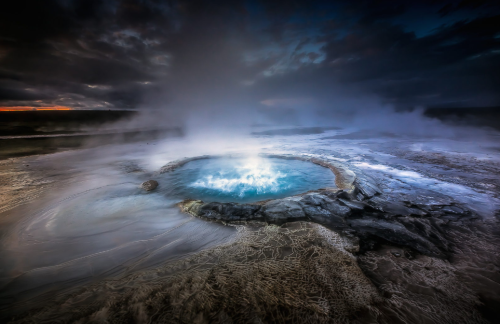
(313, 199)
(429, 200)
(376, 203)
(317, 208)
(428, 229)
(218, 211)
(354, 195)
(367, 187)
(417, 212)
(149, 185)
(323, 210)
(394, 208)
(395, 233)
(349, 232)
(282, 210)
(345, 194)
(211, 210)
(227, 212)
(325, 217)
(453, 210)
(436, 214)
(359, 196)
(240, 210)
(396, 254)
(336, 208)
(426, 235)
(333, 206)
(353, 205)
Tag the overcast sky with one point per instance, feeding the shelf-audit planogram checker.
(249, 54)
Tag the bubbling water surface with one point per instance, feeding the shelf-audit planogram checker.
(245, 179)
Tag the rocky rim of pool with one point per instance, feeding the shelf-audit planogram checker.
(357, 209)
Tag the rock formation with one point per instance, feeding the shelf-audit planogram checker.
(149, 185)
(358, 208)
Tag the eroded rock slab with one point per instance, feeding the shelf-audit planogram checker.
(374, 221)
(367, 186)
(283, 210)
(394, 232)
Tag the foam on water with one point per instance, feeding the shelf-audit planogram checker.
(245, 179)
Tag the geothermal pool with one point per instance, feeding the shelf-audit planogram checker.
(244, 180)
(110, 229)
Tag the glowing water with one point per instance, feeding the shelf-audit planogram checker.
(246, 180)
(247, 176)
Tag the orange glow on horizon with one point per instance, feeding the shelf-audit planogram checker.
(24, 108)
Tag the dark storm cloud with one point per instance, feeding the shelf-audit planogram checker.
(163, 54)
(79, 52)
(408, 70)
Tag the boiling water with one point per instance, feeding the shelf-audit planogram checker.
(245, 180)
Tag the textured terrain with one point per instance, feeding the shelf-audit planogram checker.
(411, 236)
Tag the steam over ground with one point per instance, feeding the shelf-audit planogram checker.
(77, 222)
(396, 101)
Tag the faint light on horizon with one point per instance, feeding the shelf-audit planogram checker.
(25, 108)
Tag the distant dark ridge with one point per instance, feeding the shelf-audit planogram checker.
(468, 116)
(53, 122)
(18, 147)
(62, 116)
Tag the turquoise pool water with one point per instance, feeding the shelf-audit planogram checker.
(245, 179)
